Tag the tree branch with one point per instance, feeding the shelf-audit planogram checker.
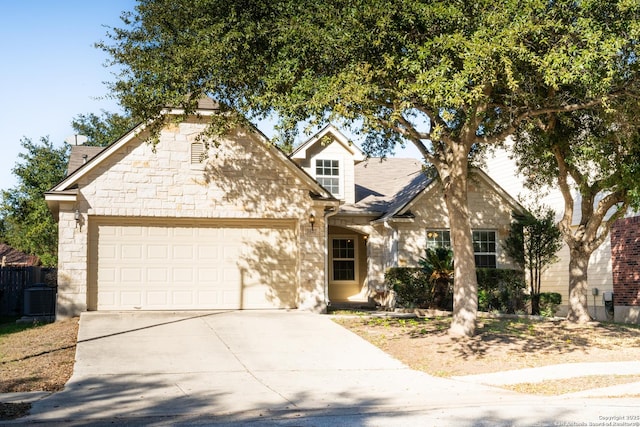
(565, 222)
(597, 218)
(566, 108)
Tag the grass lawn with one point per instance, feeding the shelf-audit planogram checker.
(34, 357)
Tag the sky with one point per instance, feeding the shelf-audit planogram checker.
(50, 71)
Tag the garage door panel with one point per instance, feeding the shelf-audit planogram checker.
(131, 298)
(157, 298)
(208, 252)
(158, 232)
(183, 252)
(200, 266)
(157, 252)
(132, 231)
(181, 298)
(131, 252)
(158, 275)
(182, 275)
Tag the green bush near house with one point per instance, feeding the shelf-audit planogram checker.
(549, 302)
(501, 290)
(411, 286)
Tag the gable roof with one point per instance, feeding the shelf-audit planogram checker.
(381, 177)
(328, 131)
(64, 190)
(382, 183)
(388, 188)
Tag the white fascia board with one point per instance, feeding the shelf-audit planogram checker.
(60, 197)
(301, 152)
(88, 167)
(179, 112)
(74, 177)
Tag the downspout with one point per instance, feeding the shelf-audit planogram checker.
(327, 213)
(393, 249)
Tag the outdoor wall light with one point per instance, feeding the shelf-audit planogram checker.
(312, 220)
(76, 215)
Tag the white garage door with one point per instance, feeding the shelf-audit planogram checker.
(187, 265)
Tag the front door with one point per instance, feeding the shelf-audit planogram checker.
(344, 279)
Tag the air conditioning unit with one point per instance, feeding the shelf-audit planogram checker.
(40, 300)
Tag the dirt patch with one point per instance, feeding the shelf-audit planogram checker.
(500, 345)
(572, 385)
(37, 357)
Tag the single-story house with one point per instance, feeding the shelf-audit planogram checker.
(237, 224)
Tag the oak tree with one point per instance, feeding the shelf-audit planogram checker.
(27, 224)
(593, 158)
(449, 77)
(102, 130)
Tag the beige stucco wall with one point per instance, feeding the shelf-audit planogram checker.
(242, 179)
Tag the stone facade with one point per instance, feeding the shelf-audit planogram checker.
(240, 179)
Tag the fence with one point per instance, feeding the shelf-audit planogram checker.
(13, 282)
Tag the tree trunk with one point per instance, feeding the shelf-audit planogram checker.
(535, 304)
(465, 286)
(578, 284)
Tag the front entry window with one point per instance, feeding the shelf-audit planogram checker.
(344, 259)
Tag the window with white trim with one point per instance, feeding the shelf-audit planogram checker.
(438, 239)
(484, 248)
(484, 245)
(343, 254)
(328, 175)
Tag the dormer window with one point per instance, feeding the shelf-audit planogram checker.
(328, 175)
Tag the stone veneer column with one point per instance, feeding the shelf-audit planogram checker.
(72, 263)
(312, 263)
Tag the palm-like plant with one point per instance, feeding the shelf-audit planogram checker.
(438, 266)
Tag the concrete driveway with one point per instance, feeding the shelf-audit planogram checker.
(252, 367)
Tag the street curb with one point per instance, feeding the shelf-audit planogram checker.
(23, 397)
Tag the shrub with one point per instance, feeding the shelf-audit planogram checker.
(501, 290)
(549, 302)
(498, 290)
(411, 286)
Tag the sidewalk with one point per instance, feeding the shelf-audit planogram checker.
(563, 371)
(496, 379)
